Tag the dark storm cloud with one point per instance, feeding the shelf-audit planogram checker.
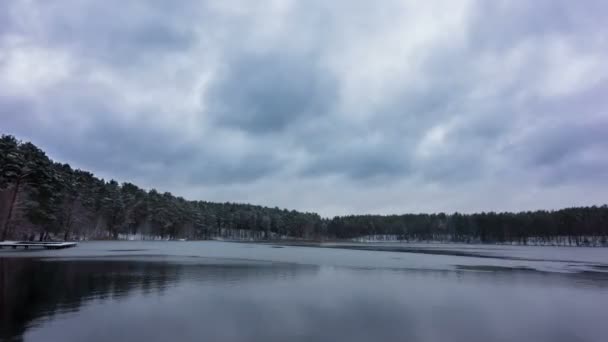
(265, 93)
(360, 161)
(338, 106)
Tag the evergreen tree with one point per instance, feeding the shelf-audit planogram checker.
(59, 201)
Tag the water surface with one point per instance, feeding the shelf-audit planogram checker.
(193, 291)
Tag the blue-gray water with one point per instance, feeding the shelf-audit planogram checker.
(212, 291)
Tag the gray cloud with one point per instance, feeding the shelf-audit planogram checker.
(114, 32)
(269, 92)
(360, 161)
(338, 107)
(506, 24)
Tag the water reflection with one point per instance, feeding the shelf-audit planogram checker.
(33, 291)
(190, 299)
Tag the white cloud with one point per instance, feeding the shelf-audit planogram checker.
(26, 69)
(569, 70)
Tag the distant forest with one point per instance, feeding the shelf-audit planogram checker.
(44, 200)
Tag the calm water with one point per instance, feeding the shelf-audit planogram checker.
(195, 291)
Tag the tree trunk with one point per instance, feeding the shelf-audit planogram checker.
(68, 222)
(10, 210)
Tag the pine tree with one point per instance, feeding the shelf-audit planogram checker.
(113, 208)
(13, 173)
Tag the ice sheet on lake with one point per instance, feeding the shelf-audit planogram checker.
(399, 255)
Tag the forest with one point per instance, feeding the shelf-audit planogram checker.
(41, 199)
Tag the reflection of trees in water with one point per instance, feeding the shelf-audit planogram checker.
(32, 289)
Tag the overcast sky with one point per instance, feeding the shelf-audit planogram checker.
(330, 106)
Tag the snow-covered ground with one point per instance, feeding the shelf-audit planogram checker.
(564, 241)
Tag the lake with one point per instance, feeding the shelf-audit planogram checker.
(220, 291)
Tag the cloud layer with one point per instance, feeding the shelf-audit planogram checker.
(336, 107)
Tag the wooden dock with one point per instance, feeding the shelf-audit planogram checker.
(28, 244)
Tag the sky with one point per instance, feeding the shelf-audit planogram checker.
(337, 107)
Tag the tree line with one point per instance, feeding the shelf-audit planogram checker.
(41, 200)
(583, 226)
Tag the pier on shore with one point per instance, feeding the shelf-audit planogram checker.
(31, 244)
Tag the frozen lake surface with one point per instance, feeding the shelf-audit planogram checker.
(220, 291)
